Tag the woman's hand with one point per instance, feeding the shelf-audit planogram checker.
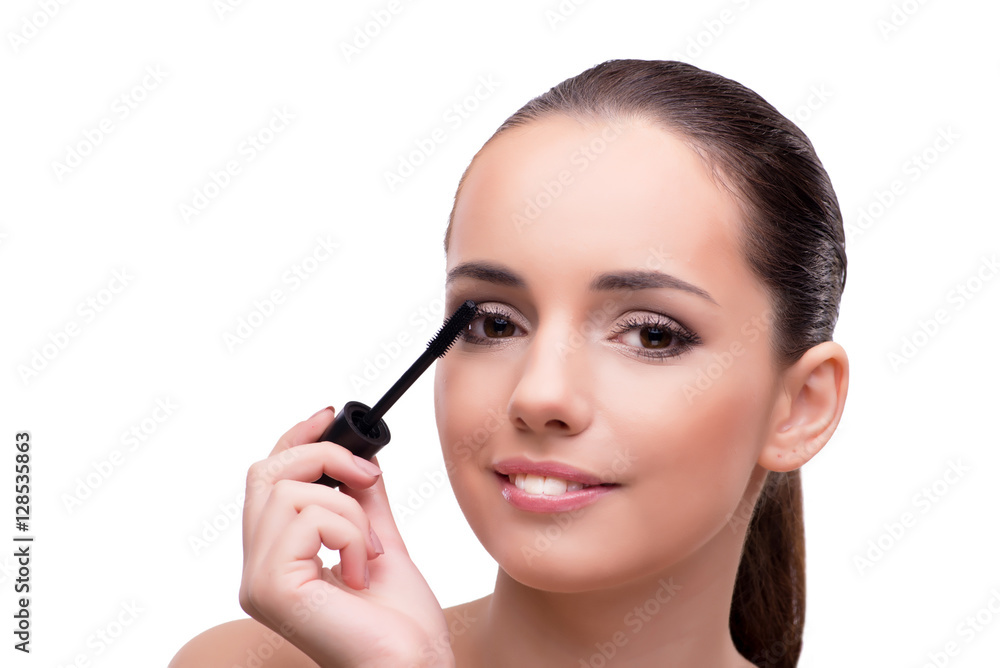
(373, 608)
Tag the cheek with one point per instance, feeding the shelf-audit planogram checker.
(696, 414)
(470, 403)
(692, 455)
(470, 400)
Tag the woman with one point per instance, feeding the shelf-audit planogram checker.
(658, 258)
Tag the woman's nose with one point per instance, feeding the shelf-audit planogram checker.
(552, 394)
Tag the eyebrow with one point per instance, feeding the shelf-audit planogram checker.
(641, 279)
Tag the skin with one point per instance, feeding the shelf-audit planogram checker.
(688, 457)
(646, 573)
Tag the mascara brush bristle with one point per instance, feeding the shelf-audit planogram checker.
(437, 347)
(450, 330)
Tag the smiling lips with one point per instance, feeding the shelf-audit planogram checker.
(547, 487)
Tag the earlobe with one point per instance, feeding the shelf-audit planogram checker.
(806, 412)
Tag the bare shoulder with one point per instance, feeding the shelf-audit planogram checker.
(240, 642)
(466, 630)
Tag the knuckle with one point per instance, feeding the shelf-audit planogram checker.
(247, 598)
(256, 472)
(245, 601)
(291, 453)
(311, 514)
(283, 489)
(255, 487)
(352, 505)
(254, 595)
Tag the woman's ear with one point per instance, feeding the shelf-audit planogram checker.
(808, 407)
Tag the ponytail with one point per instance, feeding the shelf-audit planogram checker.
(768, 608)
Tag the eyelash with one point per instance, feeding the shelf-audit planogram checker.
(685, 339)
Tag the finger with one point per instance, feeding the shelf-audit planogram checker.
(307, 431)
(308, 462)
(290, 497)
(375, 503)
(299, 543)
(305, 463)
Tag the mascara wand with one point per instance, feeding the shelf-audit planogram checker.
(361, 429)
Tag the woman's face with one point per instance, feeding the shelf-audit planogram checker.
(624, 342)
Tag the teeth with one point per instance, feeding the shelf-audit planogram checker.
(542, 485)
(554, 486)
(534, 484)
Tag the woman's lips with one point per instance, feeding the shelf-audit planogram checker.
(548, 469)
(548, 487)
(544, 503)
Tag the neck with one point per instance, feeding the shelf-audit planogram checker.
(672, 619)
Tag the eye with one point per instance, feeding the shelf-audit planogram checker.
(654, 336)
(492, 324)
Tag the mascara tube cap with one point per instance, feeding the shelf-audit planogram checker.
(349, 431)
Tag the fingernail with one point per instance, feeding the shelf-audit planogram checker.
(366, 466)
(376, 543)
(328, 408)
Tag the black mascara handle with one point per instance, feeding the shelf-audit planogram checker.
(355, 426)
(349, 431)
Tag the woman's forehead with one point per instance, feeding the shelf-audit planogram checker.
(607, 197)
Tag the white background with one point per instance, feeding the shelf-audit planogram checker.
(871, 95)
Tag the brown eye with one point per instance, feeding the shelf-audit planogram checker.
(497, 326)
(655, 337)
(493, 325)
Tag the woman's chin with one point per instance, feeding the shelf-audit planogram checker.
(563, 570)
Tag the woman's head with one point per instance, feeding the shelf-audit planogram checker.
(793, 237)
(659, 254)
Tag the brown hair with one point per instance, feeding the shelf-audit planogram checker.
(793, 241)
